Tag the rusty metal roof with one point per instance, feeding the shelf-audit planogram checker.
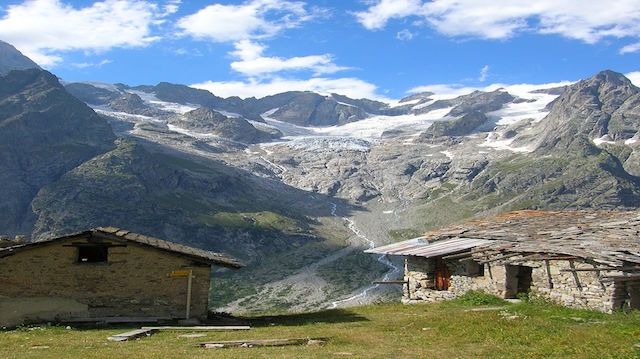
(124, 235)
(421, 247)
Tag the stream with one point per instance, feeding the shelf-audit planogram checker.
(381, 259)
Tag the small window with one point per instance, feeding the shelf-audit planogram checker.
(93, 254)
(475, 269)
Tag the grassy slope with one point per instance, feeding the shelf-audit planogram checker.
(441, 330)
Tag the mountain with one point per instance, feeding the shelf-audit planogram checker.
(309, 109)
(605, 105)
(92, 94)
(44, 132)
(296, 107)
(184, 198)
(12, 59)
(207, 121)
(298, 183)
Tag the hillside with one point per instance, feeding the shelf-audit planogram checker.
(44, 132)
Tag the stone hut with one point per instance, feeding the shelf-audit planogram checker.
(105, 274)
(580, 259)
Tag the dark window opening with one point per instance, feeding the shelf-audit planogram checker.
(475, 269)
(518, 280)
(93, 254)
(632, 295)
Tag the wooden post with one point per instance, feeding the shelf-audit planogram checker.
(189, 282)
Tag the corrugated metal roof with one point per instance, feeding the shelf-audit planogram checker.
(421, 247)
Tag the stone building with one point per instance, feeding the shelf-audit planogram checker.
(105, 274)
(580, 259)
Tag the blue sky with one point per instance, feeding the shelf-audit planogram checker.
(380, 48)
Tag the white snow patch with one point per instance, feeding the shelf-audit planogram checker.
(152, 100)
(410, 102)
(330, 143)
(228, 114)
(375, 126)
(190, 133)
(103, 85)
(631, 141)
(515, 112)
(369, 128)
(504, 145)
(448, 154)
(123, 115)
(604, 139)
(423, 105)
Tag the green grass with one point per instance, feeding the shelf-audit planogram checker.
(264, 220)
(231, 285)
(475, 298)
(444, 330)
(354, 270)
(403, 234)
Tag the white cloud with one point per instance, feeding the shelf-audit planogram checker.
(252, 21)
(376, 17)
(84, 65)
(404, 35)
(255, 19)
(484, 73)
(447, 91)
(587, 20)
(252, 62)
(347, 86)
(635, 47)
(634, 77)
(44, 29)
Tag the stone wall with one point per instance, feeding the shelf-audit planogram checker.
(465, 276)
(584, 290)
(581, 289)
(133, 283)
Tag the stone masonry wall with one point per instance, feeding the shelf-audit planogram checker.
(133, 283)
(420, 274)
(585, 290)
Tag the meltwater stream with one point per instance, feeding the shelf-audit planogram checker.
(382, 259)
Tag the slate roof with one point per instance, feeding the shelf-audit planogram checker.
(118, 234)
(422, 247)
(610, 237)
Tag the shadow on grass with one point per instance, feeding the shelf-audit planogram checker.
(326, 316)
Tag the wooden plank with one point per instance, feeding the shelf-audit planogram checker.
(623, 278)
(457, 256)
(553, 258)
(123, 337)
(500, 258)
(202, 328)
(622, 269)
(117, 320)
(251, 343)
(390, 282)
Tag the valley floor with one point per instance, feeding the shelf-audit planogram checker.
(446, 330)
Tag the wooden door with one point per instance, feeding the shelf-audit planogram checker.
(442, 274)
